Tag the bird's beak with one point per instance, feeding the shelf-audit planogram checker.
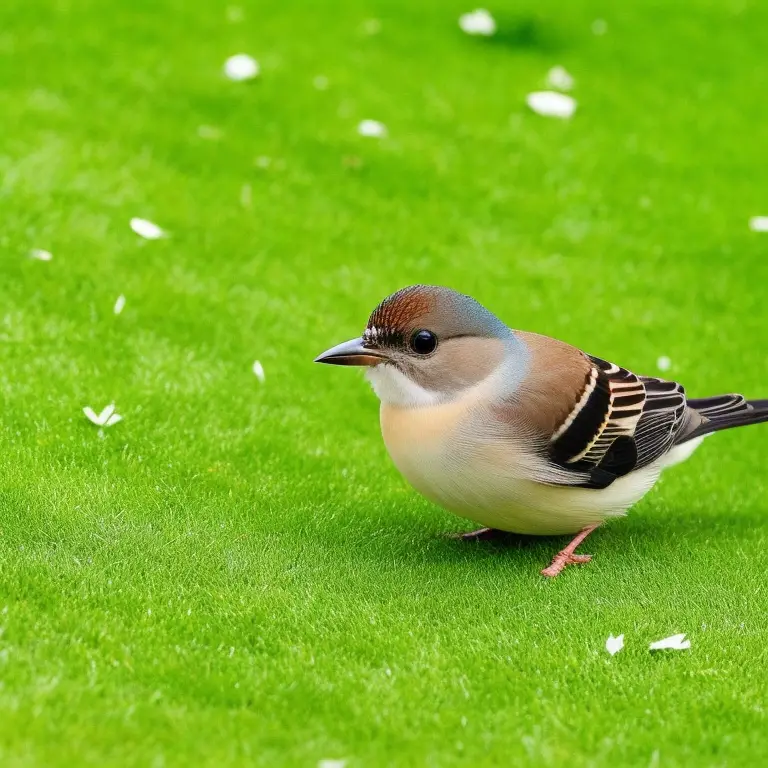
(351, 353)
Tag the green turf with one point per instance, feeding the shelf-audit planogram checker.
(236, 574)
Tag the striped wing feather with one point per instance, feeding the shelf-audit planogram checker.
(665, 414)
(620, 422)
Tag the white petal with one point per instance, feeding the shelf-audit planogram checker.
(551, 104)
(258, 371)
(113, 419)
(146, 229)
(331, 764)
(478, 22)
(759, 223)
(672, 643)
(560, 79)
(614, 644)
(240, 67)
(119, 304)
(105, 415)
(372, 128)
(663, 363)
(40, 254)
(90, 414)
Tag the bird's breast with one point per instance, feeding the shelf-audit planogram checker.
(450, 454)
(440, 449)
(418, 439)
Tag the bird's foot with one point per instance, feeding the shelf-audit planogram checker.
(567, 556)
(483, 534)
(561, 560)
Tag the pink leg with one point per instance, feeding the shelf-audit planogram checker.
(493, 536)
(483, 534)
(567, 557)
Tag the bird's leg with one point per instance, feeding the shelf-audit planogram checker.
(483, 534)
(567, 557)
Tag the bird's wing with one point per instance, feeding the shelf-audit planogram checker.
(621, 422)
(666, 417)
(608, 420)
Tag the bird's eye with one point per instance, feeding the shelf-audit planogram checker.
(423, 342)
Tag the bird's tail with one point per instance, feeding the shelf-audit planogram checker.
(726, 412)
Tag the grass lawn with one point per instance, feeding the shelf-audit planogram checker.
(236, 574)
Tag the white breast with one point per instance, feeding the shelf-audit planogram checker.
(442, 451)
(393, 387)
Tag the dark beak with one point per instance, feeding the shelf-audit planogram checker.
(351, 353)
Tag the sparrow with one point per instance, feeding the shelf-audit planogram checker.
(519, 432)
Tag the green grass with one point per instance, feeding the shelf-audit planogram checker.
(236, 574)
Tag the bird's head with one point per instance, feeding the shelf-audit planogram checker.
(426, 344)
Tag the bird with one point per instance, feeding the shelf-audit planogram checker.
(519, 432)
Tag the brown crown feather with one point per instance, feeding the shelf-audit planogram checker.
(393, 317)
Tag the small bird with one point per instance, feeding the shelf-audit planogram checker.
(519, 432)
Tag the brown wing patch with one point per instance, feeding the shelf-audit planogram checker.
(609, 408)
(586, 423)
(558, 378)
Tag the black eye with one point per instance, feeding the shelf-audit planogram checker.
(423, 342)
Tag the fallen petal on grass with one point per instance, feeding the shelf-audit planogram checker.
(663, 363)
(672, 643)
(119, 304)
(106, 414)
(551, 104)
(106, 418)
(759, 223)
(40, 255)
(91, 415)
(241, 67)
(146, 229)
(258, 371)
(478, 22)
(560, 79)
(372, 128)
(614, 644)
